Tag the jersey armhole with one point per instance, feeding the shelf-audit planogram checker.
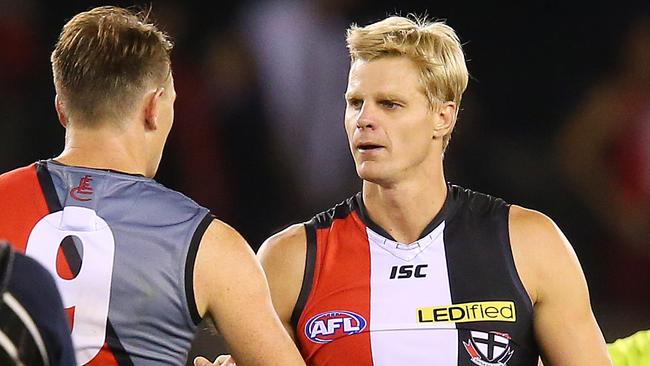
(189, 266)
(308, 277)
(511, 265)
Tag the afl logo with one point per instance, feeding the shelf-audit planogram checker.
(326, 327)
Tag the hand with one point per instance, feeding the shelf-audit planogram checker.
(222, 360)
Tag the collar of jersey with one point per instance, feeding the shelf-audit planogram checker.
(404, 251)
(102, 170)
(445, 213)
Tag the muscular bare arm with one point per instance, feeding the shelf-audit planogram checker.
(230, 287)
(283, 259)
(564, 324)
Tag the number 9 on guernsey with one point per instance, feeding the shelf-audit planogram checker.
(88, 293)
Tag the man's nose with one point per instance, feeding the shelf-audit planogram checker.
(367, 117)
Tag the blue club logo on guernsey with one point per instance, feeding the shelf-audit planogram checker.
(326, 327)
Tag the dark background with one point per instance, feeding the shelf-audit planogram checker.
(258, 135)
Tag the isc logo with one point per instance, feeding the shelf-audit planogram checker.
(325, 327)
(408, 271)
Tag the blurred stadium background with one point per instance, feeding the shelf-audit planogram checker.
(556, 117)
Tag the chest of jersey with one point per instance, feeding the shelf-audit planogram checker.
(436, 301)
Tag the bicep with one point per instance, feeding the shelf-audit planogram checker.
(283, 259)
(564, 324)
(231, 288)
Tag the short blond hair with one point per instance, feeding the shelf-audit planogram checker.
(105, 58)
(433, 46)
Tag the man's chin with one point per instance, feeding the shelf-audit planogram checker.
(372, 175)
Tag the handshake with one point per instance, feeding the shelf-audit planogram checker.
(222, 360)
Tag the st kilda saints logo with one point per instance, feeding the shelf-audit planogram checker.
(488, 349)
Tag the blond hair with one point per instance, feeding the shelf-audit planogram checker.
(104, 60)
(433, 46)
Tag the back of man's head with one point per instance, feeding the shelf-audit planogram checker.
(104, 60)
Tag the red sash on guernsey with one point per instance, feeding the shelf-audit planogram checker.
(23, 203)
(351, 253)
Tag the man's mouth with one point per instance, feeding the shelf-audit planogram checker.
(368, 147)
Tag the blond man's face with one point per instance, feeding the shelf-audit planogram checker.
(388, 120)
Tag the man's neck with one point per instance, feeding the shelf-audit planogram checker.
(103, 149)
(405, 209)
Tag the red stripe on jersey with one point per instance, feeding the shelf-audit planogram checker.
(341, 284)
(105, 357)
(22, 205)
(62, 267)
(70, 313)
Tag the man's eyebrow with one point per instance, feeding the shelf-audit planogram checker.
(350, 95)
(390, 96)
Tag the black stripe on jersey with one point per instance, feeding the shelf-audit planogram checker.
(308, 277)
(118, 351)
(480, 267)
(45, 181)
(189, 266)
(71, 255)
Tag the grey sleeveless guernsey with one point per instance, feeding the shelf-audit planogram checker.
(121, 248)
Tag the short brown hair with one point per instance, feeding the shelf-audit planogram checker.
(105, 58)
(433, 46)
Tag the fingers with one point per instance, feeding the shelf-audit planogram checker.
(225, 360)
(202, 361)
(222, 360)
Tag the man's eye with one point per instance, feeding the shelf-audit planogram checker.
(355, 103)
(389, 104)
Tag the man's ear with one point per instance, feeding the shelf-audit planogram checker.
(58, 106)
(152, 104)
(444, 119)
